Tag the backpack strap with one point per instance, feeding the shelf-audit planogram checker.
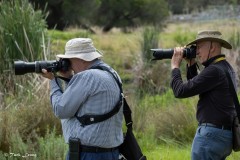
(91, 119)
(126, 109)
(232, 90)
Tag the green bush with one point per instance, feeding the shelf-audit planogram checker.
(150, 41)
(22, 35)
(27, 114)
(21, 31)
(234, 39)
(146, 78)
(173, 119)
(51, 147)
(177, 124)
(183, 37)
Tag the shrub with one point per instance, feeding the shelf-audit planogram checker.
(22, 32)
(51, 146)
(171, 120)
(177, 123)
(145, 77)
(28, 114)
(183, 37)
(150, 40)
(234, 39)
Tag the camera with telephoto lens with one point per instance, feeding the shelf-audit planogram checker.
(188, 53)
(22, 67)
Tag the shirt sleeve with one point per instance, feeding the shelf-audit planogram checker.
(206, 80)
(192, 71)
(65, 104)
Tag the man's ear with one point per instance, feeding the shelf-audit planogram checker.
(215, 46)
(212, 46)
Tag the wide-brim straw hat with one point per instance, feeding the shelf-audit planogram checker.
(211, 35)
(81, 48)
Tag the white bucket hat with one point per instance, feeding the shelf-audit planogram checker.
(81, 48)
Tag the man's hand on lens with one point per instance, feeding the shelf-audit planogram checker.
(177, 57)
(47, 74)
(50, 75)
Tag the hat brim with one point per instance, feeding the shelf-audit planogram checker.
(84, 56)
(224, 43)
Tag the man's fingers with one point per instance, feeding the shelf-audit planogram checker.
(44, 71)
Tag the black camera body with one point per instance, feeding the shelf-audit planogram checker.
(159, 54)
(22, 67)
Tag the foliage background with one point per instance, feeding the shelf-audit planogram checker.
(123, 14)
(163, 124)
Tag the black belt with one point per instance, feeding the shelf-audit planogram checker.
(96, 149)
(216, 126)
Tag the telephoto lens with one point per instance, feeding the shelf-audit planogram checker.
(160, 54)
(22, 67)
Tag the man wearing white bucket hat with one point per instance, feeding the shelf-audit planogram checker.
(90, 91)
(215, 108)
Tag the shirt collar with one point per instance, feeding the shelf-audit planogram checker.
(97, 62)
(211, 60)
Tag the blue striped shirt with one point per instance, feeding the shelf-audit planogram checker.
(94, 92)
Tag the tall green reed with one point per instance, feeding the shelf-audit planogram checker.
(143, 77)
(150, 40)
(52, 146)
(234, 39)
(24, 110)
(167, 119)
(22, 32)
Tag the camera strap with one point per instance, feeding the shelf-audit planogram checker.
(63, 78)
(126, 109)
(231, 88)
(60, 77)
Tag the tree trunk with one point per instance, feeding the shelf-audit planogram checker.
(108, 27)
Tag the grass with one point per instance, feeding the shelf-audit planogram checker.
(157, 152)
(187, 31)
(176, 152)
(169, 152)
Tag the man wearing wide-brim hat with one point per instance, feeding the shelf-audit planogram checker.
(90, 95)
(215, 108)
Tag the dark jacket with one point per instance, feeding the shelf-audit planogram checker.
(215, 103)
